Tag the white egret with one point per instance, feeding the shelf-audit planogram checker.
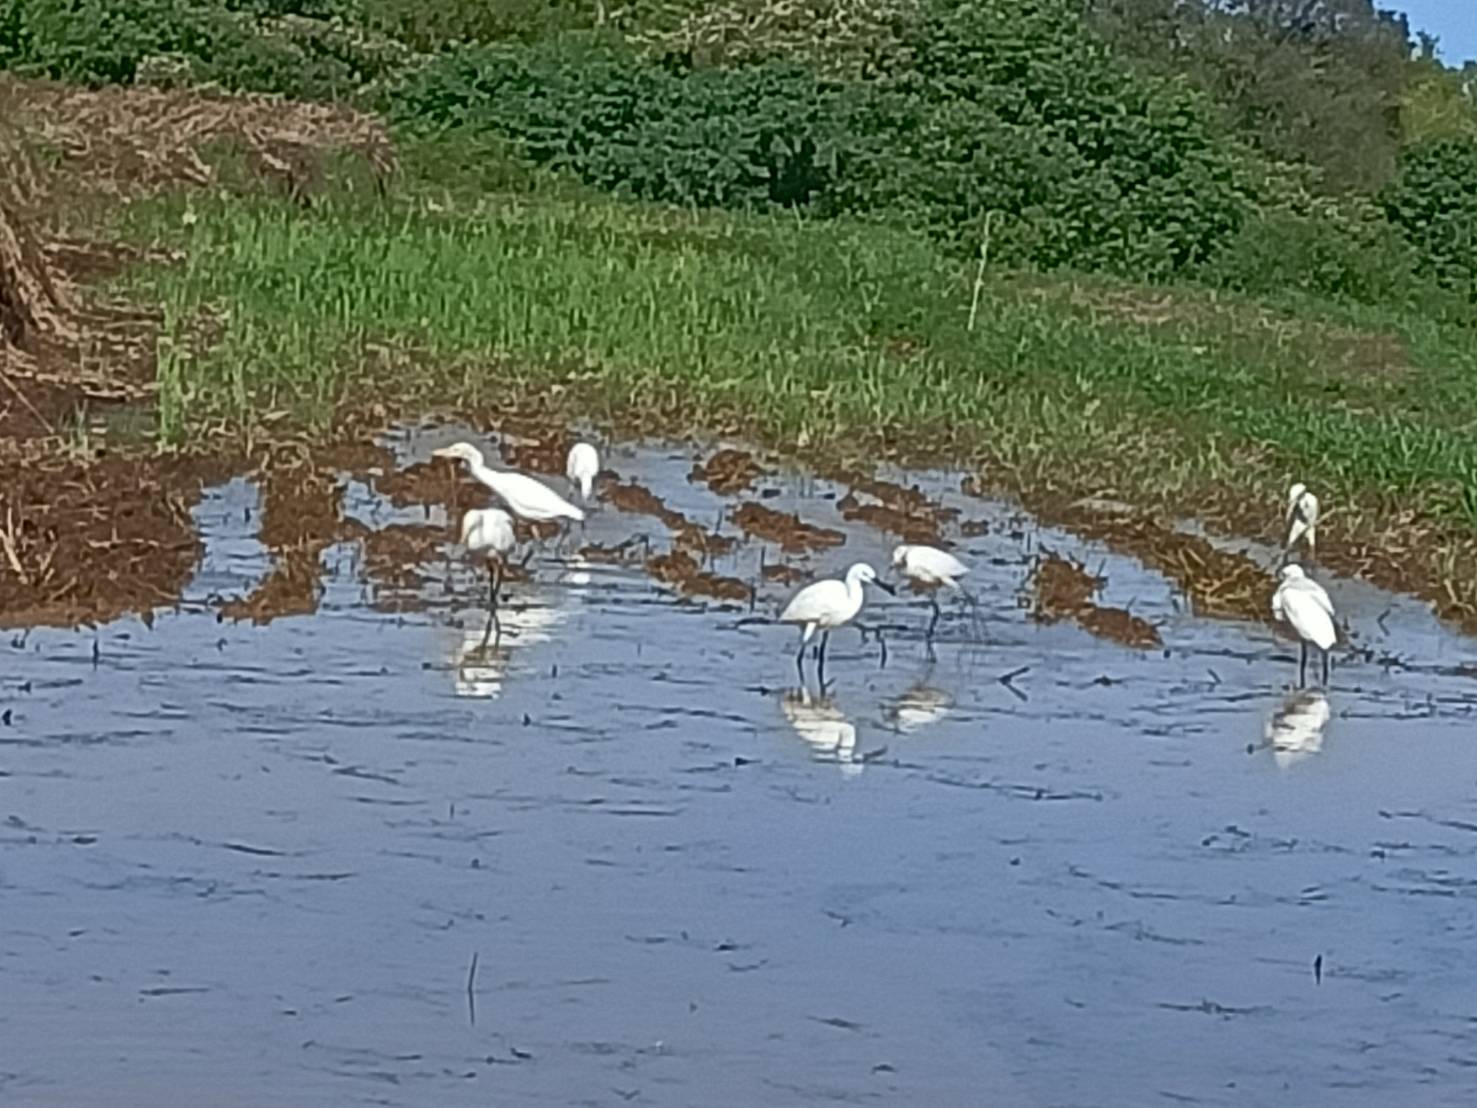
(489, 532)
(1301, 601)
(826, 605)
(1302, 516)
(581, 467)
(928, 565)
(525, 497)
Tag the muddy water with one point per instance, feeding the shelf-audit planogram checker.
(250, 865)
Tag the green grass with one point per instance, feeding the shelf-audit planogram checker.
(805, 332)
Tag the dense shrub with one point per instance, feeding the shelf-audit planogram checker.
(1000, 107)
(311, 49)
(743, 138)
(1434, 203)
(1007, 106)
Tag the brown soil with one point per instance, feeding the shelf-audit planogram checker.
(904, 511)
(1065, 590)
(546, 452)
(301, 517)
(438, 481)
(639, 500)
(703, 545)
(728, 472)
(785, 529)
(615, 554)
(394, 554)
(782, 574)
(84, 541)
(1217, 583)
(719, 588)
(672, 568)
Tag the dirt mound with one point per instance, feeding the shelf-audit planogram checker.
(1065, 590)
(728, 472)
(786, 529)
(86, 542)
(129, 141)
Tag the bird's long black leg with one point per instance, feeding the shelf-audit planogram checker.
(800, 658)
(821, 665)
(1325, 669)
(934, 622)
(1302, 665)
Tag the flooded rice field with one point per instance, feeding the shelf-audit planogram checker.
(1097, 852)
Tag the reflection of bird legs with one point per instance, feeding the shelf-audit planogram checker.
(494, 583)
(881, 641)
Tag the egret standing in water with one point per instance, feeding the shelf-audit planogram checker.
(928, 565)
(581, 467)
(1302, 517)
(828, 604)
(1301, 601)
(489, 532)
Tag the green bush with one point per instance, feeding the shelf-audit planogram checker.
(1007, 106)
(1434, 204)
(1279, 251)
(1000, 107)
(310, 49)
(743, 138)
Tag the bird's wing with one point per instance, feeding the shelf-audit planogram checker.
(955, 566)
(813, 602)
(1309, 618)
(1319, 595)
(522, 486)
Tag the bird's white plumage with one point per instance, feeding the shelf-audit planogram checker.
(582, 466)
(488, 529)
(1302, 514)
(928, 565)
(830, 603)
(524, 496)
(1301, 601)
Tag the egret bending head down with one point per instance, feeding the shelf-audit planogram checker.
(489, 532)
(1302, 516)
(1301, 601)
(928, 565)
(581, 467)
(828, 604)
(525, 497)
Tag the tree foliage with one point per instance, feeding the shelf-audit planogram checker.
(1307, 80)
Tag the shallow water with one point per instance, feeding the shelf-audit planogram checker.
(253, 865)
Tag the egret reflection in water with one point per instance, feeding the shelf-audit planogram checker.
(917, 706)
(1296, 729)
(824, 726)
(480, 664)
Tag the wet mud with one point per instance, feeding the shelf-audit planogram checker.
(611, 849)
(1063, 589)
